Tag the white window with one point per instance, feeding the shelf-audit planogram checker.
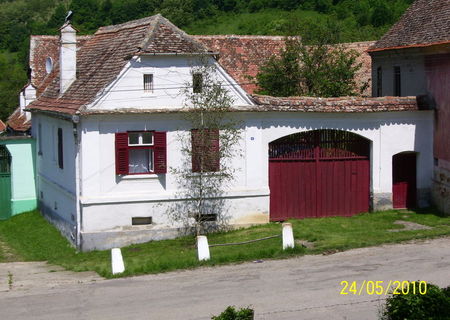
(148, 83)
(140, 152)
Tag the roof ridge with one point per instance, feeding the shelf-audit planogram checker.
(126, 25)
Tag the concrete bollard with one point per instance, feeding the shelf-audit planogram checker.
(203, 248)
(288, 236)
(117, 261)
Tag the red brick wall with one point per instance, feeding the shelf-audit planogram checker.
(437, 68)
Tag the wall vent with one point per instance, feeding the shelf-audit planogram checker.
(138, 221)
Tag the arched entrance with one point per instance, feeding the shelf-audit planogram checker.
(404, 185)
(319, 173)
(5, 183)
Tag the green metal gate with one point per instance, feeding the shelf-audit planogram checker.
(5, 183)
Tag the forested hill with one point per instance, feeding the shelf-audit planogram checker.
(347, 20)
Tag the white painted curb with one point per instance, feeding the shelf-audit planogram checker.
(117, 261)
(202, 248)
(288, 236)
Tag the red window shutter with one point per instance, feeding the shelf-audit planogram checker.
(215, 151)
(160, 151)
(196, 150)
(121, 153)
(205, 150)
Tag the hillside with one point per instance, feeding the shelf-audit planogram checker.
(346, 20)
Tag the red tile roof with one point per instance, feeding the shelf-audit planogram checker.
(105, 54)
(18, 121)
(242, 56)
(340, 104)
(425, 23)
(41, 48)
(2, 126)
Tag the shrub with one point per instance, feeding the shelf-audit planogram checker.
(231, 313)
(434, 305)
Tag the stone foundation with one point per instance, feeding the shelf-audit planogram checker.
(382, 201)
(441, 190)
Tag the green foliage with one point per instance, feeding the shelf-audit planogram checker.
(357, 20)
(12, 78)
(320, 70)
(231, 313)
(435, 304)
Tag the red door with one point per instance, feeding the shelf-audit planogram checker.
(317, 174)
(404, 189)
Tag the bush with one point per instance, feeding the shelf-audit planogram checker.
(434, 305)
(231, 313)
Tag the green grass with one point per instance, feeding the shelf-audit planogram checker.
(30, 237)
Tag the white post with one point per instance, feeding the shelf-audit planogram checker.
(202, 248)
(117, 261)
(288, 236)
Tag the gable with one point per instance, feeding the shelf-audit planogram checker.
(425, 23)
(169, 76)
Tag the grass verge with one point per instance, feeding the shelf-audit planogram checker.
(32, 238)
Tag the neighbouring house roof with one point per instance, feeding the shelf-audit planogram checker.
(242, 56)
(425, 23)
(105, 54)
(2, 126)
(18, 121)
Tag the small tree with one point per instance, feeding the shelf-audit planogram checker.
(207, 148)
(320, 69)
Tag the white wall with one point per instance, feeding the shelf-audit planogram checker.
(110, 201)
(56, 187)
(412, 70)
(170, 75)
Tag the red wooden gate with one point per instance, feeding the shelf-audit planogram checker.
(404, 190)
(319, 173)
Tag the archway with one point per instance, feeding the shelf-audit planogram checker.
(5, 183)
(319, 173)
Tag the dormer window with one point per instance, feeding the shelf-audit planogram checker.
(48, 65)
(197, 82)
(148, 83)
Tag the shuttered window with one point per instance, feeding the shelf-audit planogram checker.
(60, 149)
(205, 150)
(140, 152)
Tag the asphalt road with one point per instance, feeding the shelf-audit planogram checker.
(301, 288)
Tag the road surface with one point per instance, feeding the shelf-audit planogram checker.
(300, 288)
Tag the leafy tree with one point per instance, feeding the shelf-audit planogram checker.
(208, 144)
(321, 70)
(12, 78)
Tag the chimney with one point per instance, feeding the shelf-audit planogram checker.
(67, 57)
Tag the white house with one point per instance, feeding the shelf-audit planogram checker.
(108, 114)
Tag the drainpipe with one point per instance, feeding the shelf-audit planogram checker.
(77, 140)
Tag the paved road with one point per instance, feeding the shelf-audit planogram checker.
(301, 288)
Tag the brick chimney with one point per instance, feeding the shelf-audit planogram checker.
(67, 56)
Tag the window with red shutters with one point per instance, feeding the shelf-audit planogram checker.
(140, 152)
(205, 150)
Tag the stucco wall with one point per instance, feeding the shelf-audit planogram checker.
(23, 185)
(411, 63)
(109, 201)
(171, 74)
(56, 186)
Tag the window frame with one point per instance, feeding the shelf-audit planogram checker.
(379, 81)
(397, 86)
(197, 82)
(60, 148)
(122, 150)
(148, 87)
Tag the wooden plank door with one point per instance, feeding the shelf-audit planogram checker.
(404, 176)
